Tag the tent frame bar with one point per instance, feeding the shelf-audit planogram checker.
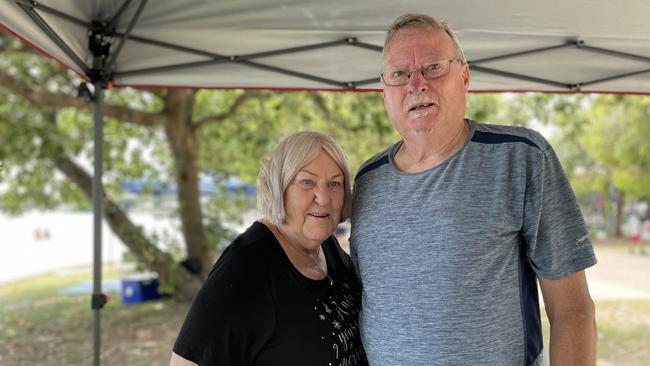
(620, 54)
(579, 44)
(30, 10)
(518, 54)
(519, 76)
(33, 5)
(620, 76)
(112, 23)
(129, 29)
(245, 60)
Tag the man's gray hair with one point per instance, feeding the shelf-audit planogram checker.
(424, 21)
(281, 167)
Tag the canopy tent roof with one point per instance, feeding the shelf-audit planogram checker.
(512, 45)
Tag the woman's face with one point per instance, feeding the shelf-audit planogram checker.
(313, 202)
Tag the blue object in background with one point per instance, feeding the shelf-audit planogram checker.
(86, 287)
(207, 185)
(137, 290)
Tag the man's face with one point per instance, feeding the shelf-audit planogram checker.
(421, 106)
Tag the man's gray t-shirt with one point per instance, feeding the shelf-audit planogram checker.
(448, 257)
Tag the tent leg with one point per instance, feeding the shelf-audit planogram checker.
(98, 299)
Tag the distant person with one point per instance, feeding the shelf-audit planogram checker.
(454, 225)
(645, 237)
(638, 233)
(41, 234)
(38, 234)
(284, 292)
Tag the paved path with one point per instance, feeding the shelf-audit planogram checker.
(619, 275)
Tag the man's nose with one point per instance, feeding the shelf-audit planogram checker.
(417, 83)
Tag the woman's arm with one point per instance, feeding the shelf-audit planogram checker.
(180, 361)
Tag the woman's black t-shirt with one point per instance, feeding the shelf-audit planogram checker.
(257, 309)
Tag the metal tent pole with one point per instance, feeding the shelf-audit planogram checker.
(99, 45)
(98, 298)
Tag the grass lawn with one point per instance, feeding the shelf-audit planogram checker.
(39, 326)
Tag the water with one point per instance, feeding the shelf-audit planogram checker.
(39, 242)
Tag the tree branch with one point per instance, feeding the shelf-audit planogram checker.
(58, 100)
(132, 235)
(238, 103)
(318, 99)
(320, 103)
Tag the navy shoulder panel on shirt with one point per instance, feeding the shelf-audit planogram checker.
(372, 165)
(499, 138)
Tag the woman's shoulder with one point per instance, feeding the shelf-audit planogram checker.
(247, 255)
(256, 238)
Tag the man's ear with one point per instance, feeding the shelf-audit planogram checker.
(465, 76)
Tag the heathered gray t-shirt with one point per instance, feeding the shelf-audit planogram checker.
(448, 257)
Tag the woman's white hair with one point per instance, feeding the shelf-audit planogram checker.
(281, 167)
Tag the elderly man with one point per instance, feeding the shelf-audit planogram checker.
(454, 226)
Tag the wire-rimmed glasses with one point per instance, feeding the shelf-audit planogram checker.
(401, 75)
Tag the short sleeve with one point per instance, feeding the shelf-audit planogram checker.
(231, 318)
(557, 240)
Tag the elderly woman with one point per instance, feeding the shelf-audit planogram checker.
(284, 292)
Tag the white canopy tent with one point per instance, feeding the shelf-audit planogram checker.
(512, 45)
(552, 46)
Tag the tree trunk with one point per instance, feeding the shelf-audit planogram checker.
(182, 282)
(183, 144)
(620, 205)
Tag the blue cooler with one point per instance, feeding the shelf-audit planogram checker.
(137, 290)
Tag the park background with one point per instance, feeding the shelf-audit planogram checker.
(168, 141)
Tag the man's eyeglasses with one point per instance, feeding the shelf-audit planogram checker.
(401, 76)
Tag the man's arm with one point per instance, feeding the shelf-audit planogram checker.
(571, 313)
